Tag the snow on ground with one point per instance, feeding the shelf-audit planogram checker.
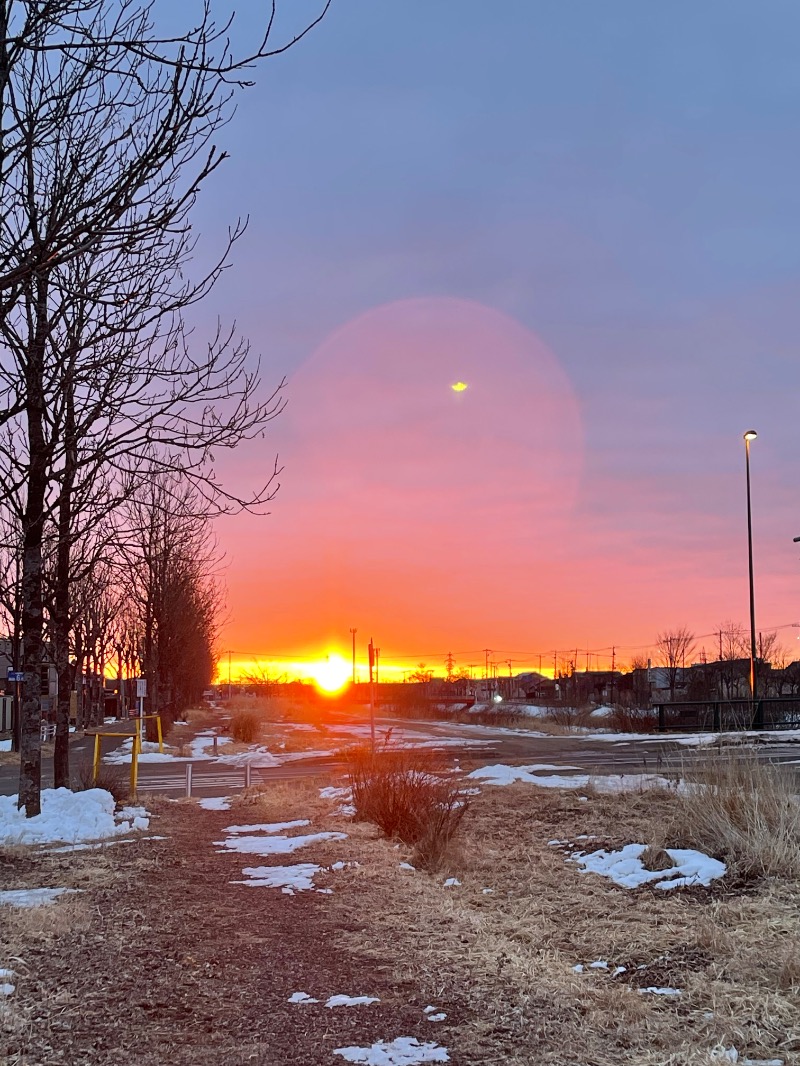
(301, 997)
(625, 867)
(654, 990)
(350, 1001)
(71, 817)
(289, 879)
(5, 745)
(215, 803)
(203, 741)
(7, 987)
(345, 794)
(66, 848)
(500, 774)
(404, 1051)
(122, 755)
(269, 838)
(33, 897)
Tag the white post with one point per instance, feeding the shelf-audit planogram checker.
(188, 780)
(247, 773)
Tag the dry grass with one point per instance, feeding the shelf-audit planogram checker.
(502, 962)
(743, 811)
(245, 726)
(114, 779)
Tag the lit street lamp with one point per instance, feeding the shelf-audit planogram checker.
(748, 436)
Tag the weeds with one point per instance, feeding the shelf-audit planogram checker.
(245, 726)
(745, 811)
(112, 778)
(400, 792)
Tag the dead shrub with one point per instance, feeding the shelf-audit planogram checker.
(114, 779)
(655, 858)
(743, 811)
(400, 791)
(245, 726)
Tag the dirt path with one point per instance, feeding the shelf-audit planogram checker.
(161, 960)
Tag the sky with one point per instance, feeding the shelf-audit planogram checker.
(588, 214)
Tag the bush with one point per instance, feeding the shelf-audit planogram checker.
(245, 726)
(113, 779)
(744, 811)
(400, 792)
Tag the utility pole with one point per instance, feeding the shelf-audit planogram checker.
(229, 675)
(372, 695)
(353, 635)
(488, 652)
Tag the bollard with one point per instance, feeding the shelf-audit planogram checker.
(136, 747)
(214, 745)
(247, 775)
(188, 780)
(160, 734)
(96, 761)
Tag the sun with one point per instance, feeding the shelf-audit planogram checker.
(330, 674)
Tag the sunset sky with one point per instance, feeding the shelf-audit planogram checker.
(589, 214)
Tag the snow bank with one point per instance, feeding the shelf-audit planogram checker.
(404, 1051)
(71, 817)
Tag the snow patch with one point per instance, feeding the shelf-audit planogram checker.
(350, 1001)
(625, 867)
(69, 817)
(33, 897)
(404, 1051)
(215, 803)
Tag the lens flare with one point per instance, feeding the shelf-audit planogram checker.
(459, 386)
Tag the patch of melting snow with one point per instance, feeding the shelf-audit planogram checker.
(654, 990)
(215, 803)
(289, 879)
(65, 848)
(271, 840)
(350, 1001)
(301, 997)
(407, 866)
(68, 817)
(452, 882)
(33, 897)
(403, 1051)
(730, 1054)
(7, 987)
(625, 867)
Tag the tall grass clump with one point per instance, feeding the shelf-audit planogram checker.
(113, 779)
(400, 791)
(245, 726)
(744, 811)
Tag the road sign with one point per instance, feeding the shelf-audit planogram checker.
(141, 687)
(15, 675)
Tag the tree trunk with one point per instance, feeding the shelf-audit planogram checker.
(61, 594)
(30, 766)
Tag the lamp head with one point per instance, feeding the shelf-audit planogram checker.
(750, 434)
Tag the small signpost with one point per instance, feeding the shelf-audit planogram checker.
(141, 692)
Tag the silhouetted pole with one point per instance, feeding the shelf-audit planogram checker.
(353, 634)
(372, 695)
(748, 436)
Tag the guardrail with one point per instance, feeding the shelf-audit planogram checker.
(718, 716)
(136, 747)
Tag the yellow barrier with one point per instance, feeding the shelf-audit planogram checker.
(136, 749)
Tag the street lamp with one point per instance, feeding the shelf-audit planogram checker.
(748, 436)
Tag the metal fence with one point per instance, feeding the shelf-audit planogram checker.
(775, 712)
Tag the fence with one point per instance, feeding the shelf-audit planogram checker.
(718, 716)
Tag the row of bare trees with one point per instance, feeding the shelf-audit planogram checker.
(111, 409)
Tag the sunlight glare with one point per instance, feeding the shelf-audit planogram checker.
(331, 674)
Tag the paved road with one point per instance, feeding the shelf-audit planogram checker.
(574, 754)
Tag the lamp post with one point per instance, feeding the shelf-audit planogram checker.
(748, 436)
(353, 635)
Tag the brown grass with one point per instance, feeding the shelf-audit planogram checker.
(245, 726)
(743, 811)
(502, 962)
(114, 779)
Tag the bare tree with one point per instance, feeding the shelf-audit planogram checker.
(108, 134)
(674, 647)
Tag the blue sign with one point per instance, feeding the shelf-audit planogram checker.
(15, 675)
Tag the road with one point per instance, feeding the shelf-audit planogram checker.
(599, 754)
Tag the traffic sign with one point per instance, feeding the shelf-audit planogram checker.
(141, 687)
